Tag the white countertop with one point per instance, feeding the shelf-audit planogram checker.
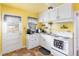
(64, 34)
(61, 34)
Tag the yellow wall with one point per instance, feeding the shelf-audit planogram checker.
(75, 6)
(70, 26)
(24, 14)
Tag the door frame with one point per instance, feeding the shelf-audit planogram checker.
(10, 14)
(76, 32)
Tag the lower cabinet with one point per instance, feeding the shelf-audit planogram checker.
(46, 42)
(35, 40)
(32, 41)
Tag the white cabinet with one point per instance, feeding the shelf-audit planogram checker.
(42, 42)
(44, 16)
(65, 11)
(53, 14)
(41, 17)
(32, 41)
(62, 13)
(46, 41)
(48, 15)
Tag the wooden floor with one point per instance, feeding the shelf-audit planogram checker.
(26, 52)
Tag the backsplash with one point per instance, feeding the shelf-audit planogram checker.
(57, 27)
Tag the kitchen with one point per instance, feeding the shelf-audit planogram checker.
(54, 31)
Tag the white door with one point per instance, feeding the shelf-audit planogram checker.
(12, 33)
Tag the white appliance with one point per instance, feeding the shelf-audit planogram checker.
(62, 44)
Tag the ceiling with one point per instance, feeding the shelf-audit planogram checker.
(33, 7)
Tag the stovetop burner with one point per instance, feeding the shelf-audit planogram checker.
(58, 44)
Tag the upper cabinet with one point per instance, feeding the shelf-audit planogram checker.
(48, 15)
(52, 14)
(41, 17)
(65, 11)
(44, 16)
(60, 14)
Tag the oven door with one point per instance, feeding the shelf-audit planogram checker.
(60, 45)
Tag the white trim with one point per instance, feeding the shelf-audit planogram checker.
(11, 14)
(76, 32)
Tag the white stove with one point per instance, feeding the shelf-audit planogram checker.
(63, 43)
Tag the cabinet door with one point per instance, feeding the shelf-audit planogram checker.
(28, 41)
(65, 11)
(43, 43)
(45, 16)
(36, 40)
(49, 15)
(46, 42)
(41, 17)
(32, 41)
(53, 14)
